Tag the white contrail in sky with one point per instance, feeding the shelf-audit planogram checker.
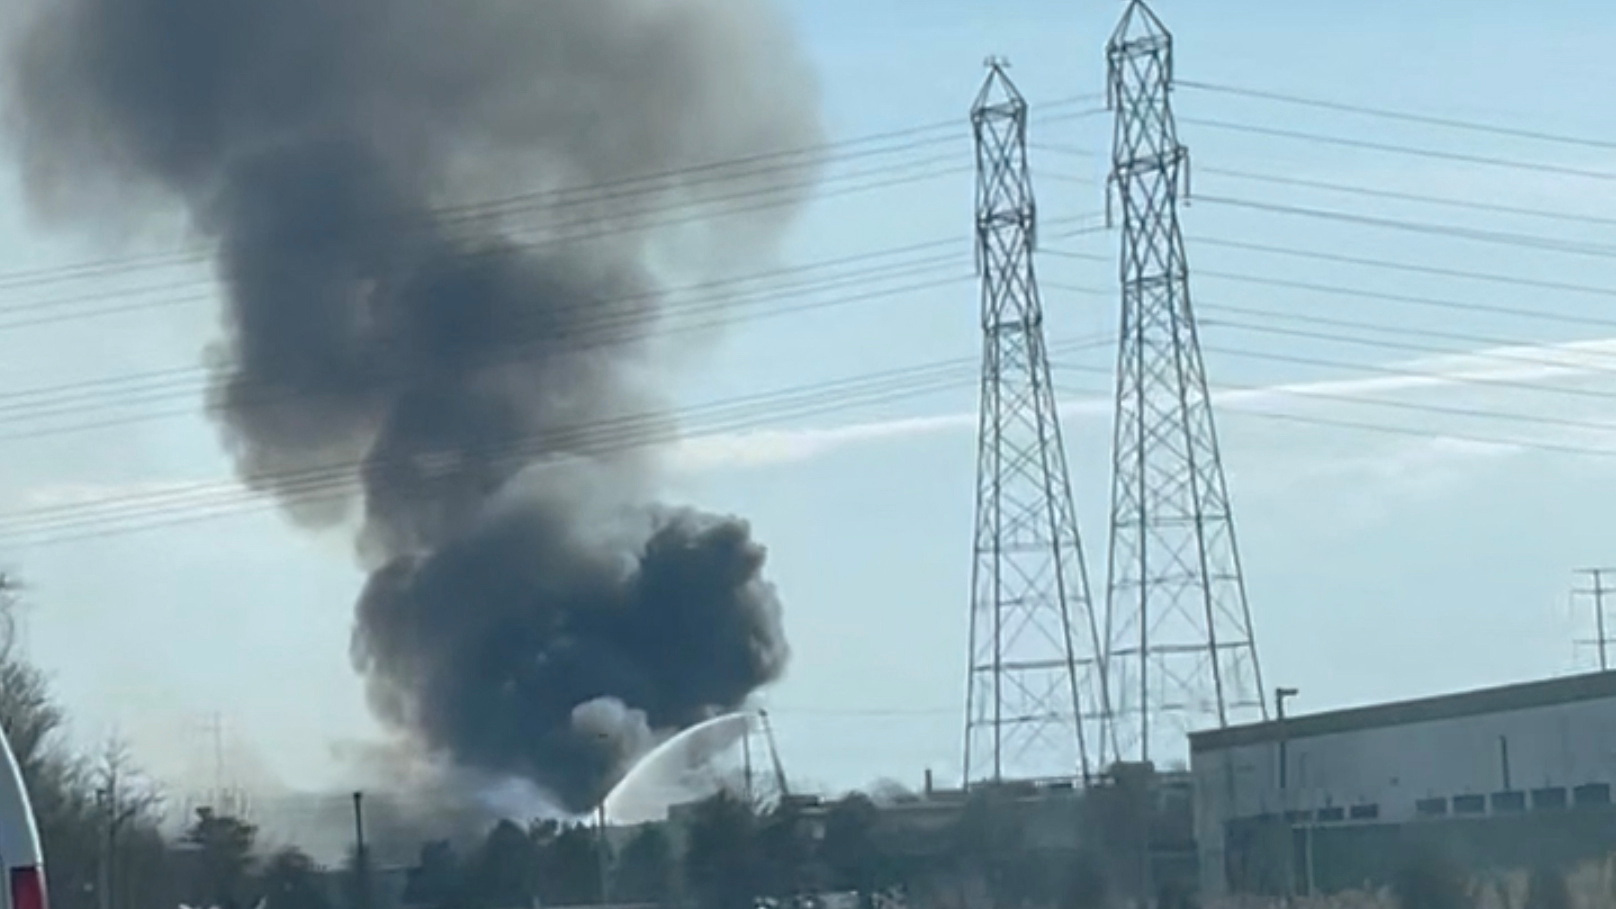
(1475, 370)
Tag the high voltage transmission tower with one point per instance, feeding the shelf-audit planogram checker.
(1180, 649)
(1031, 686)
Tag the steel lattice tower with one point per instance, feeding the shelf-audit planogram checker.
(1180, 649)
(1025, 712)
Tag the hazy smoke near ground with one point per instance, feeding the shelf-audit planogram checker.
(443, 373)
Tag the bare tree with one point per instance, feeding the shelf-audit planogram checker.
(123, 799)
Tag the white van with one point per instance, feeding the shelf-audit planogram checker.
(20, 854)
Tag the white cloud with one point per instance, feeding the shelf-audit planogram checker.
(765, 447)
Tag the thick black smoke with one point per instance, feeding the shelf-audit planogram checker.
(473, 370)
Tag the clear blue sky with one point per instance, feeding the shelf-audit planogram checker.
(1380, 565)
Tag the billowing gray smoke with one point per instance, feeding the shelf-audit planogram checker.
(461, 376)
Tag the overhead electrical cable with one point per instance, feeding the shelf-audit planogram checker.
(1406, 267)
(1405, 116)
(599, 228)
(594, 438)
(1424, 433)
(822, 153)
(576, 342)
(1404, 196)
(607, 436)
(1394, 148)
(1478, 235)
(1384, 296)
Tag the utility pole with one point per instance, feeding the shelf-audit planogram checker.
(603, 852)
(748, 788)
(103, 878)
(1180, 653)
(1031, 688)
(1601, 585)
(361, 856)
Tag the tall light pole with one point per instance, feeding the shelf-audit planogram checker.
(1281, 695)
(361, 859)
(602, 854)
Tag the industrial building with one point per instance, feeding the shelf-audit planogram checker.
(1506, 777)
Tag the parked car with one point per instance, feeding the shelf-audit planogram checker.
(20, 853)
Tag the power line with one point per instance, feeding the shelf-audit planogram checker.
(1403, 330)
(1492, 355)
(171, 384)
(96, 385)
(734, 290)
(1404, 372)
(1412, 299)
(1361, 293)
(1060, 149)
(581, 341)
(1452, 378)
(598, 231)
(1405, 116)
(1443, 409)
(162, 508)
(601, 436)
(204, 501)
(1406, 267)
(1408, 150)
(508, 242)
(94, 395)
(835, 149)
(1363, 425)
(563, 195)
(1398, 195)
(1505, 238)
(1397, 346)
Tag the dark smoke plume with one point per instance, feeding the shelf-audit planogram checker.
(439, 368)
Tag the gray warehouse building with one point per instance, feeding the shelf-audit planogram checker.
(1505, 777)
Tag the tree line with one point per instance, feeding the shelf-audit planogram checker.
(722, 854)
(103, 831)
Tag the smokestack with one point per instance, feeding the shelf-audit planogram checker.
(438, 383)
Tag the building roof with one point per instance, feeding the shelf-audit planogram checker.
(1523, 696)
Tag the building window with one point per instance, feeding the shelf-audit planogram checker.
(1591, 795)
(1298, 817)
(1331, 815)
(1552, 799)
(1364, 812)
(1469, 804)
(1431, 807)
(1509, 802)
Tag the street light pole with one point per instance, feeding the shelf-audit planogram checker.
(361, 858)
(602, 859)
(1281, 695)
